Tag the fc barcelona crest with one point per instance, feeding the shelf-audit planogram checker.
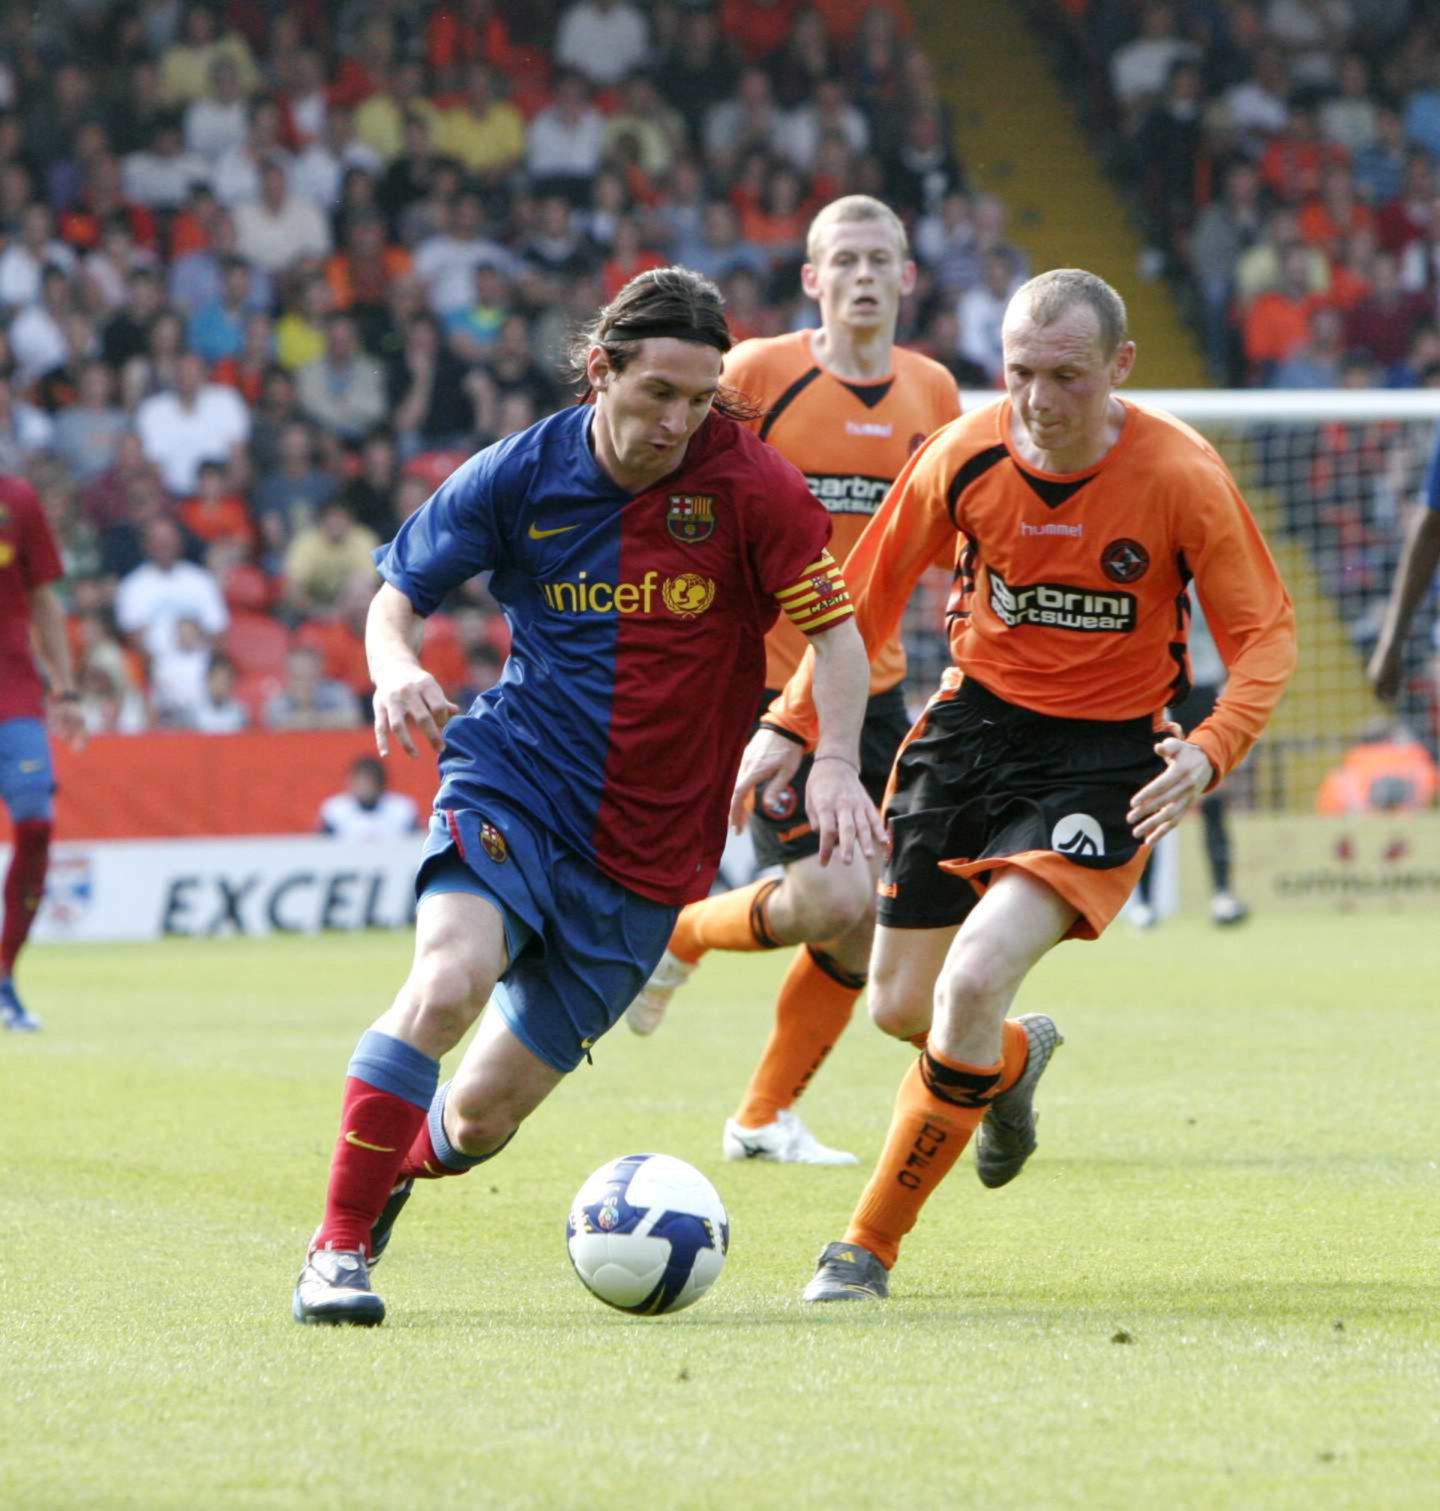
(691, 517)
(493, 844)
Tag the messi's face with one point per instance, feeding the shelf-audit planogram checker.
(859, 276)
(646, 414)
(1060, 378)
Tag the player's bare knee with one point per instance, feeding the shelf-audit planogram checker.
(831, 907)
(972, 982)
(479, 1130)
(898, 1013)
(446, 993)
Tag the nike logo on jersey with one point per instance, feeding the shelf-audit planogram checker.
(28, 766)
(352, 1138)
(546, 534)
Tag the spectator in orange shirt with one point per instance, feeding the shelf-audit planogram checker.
(1277, 324)
(629, 256)
(215, 512)
(1390, 772)
(779, 223)
(1336, 213)
(368, 69)
(1295, 161)
(1352, 273)
(364, 271)
(247, 369)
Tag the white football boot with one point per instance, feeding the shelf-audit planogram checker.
(786, 1141)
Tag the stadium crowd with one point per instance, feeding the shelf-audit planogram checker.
(269, 271)
(1286, 158)
(1286, 153)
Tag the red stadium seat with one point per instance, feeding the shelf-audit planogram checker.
(247, 589)
(257, 643)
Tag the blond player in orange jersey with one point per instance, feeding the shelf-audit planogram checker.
(1024, 800)
(849, 408)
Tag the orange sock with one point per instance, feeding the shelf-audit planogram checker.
(941, 1103)
(738, 920)
(815, 1003)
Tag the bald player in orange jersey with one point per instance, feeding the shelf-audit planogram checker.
(849, 408)
(1024, 800)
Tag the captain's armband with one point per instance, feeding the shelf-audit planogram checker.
(819, 599)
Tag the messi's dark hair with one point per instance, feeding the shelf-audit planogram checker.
(659, 302)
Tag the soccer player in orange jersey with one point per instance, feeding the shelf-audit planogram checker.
(848, 408)
(1025, 799)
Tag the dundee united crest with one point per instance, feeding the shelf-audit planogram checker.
(1125, 561)
(493, 843)
(780, 805)
(688, 595)
(691, 517)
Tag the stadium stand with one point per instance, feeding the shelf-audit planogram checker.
(269, 269)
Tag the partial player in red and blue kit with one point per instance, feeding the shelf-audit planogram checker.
(641, 546)
(30, 615)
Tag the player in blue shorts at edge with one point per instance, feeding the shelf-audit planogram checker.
(641, 544)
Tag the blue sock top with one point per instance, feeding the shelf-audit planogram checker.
(390, 1064)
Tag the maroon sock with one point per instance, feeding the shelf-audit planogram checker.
(432, 1156)
(422, 1162)
(24, 886)
(387, 1093)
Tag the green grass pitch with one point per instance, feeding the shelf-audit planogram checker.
(1214, 1286)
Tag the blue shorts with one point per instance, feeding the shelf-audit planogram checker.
(27, 779)
(581, 946)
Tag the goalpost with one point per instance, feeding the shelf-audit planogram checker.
(1331, 476)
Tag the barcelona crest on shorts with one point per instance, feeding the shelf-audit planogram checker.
(691, 517)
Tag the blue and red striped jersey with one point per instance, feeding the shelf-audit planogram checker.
(637, 634)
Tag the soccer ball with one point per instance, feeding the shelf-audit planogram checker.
(647, 1234)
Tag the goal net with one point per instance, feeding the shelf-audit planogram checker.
(1331, 477)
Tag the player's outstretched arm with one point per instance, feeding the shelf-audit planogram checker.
(405, 693)
(1418, 560)
(838, 807)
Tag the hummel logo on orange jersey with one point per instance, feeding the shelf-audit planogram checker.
(546, 534)
(359, 1143)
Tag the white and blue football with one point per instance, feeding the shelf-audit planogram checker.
(648, 1234)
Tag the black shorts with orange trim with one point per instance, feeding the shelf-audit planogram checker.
(982, 785)
(778, 826)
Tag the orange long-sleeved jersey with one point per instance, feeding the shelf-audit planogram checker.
(851, 440)
(1069, 594)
